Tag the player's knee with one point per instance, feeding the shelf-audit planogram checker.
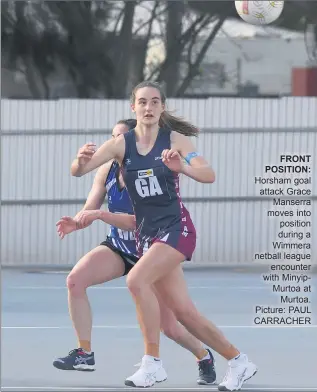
(134, 284)
(75, 284)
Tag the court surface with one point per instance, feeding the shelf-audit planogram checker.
(36, 329)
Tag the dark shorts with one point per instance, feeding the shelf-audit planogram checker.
(183, 241)
(128, 260)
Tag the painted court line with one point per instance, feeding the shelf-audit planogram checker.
(155, 389)
(137, 327)
(211, 287)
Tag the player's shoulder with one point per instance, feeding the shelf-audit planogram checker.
(126, 136)
(119, 140)
(119, 145)
(123, 139)
(178, 138)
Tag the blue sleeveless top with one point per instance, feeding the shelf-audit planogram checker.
(119, 202)
(154, 190)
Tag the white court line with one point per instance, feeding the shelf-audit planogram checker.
(155, 389)
(137, 327)
(125, 288)
(66, 327)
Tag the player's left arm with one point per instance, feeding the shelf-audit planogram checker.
(197, 166)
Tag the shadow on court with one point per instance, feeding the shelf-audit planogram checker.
(36, 329)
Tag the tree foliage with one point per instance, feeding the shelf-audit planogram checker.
(99, 49)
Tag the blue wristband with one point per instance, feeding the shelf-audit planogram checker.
(190, 156)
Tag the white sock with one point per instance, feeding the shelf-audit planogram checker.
(87, 352)
(239, 358)
(205, 357)
(150, 357)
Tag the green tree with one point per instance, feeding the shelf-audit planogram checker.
(70, 44)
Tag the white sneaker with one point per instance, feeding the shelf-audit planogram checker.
(239, 371)
(150, 372)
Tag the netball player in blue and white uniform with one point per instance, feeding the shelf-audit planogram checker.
(114, 258)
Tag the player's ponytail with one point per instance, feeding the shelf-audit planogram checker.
(177, 124)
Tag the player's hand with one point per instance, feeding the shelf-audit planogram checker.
(86, 152)
(66, 225)
(85, 218)
(173, 160)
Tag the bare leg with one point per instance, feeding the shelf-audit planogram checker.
(161, 265)
(176, 331)
(157, 265)
(98, 266)
(174, 290)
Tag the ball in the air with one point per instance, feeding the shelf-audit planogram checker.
(259, 12)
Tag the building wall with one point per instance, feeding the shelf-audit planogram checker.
(264, 61)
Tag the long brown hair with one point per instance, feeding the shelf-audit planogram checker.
(167, 119)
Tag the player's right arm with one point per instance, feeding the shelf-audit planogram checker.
(94, 201)
(111, 149)
(91, 209)
(92, 212)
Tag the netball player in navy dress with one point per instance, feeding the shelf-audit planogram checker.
(151, 157)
